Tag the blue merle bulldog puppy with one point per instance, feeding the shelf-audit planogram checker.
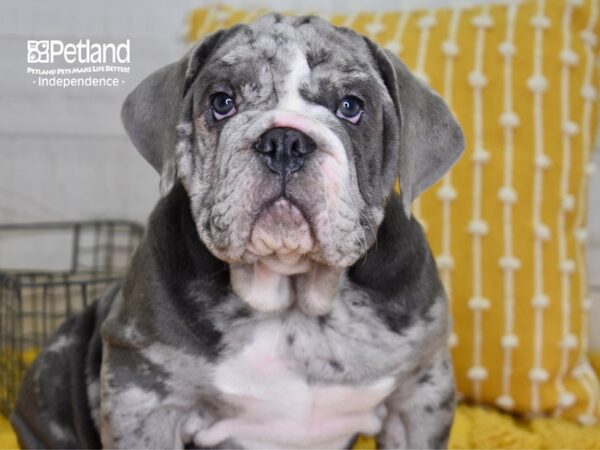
(282, 297)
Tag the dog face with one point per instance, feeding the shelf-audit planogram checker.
(288, 135)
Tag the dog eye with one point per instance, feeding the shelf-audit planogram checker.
(222, 105)
(350, 109)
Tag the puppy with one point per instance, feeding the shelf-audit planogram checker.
(282, 297)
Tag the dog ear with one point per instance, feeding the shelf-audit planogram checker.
(152, 111)
(431, 140)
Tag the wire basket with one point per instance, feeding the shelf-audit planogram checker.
(56, 270)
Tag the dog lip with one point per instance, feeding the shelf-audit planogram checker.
(287, 198)
(288, 202)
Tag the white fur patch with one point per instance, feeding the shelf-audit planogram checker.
(267, 285)
(298, 72)
(291, 101)
(279, 408)
(60, 343)
(61, 433)
(93, 391)
(262, 288)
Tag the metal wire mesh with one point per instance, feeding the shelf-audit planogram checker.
(85, 258)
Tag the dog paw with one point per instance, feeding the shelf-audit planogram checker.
(372, 425)
(381, 411)
(192, 426)
(393, 434)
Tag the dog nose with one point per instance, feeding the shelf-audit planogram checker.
(283, 149)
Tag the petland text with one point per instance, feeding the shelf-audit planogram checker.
(82, 52)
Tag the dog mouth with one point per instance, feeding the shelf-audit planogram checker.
(281, 229)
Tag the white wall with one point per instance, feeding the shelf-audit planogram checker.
(594, 253)
(63, 152)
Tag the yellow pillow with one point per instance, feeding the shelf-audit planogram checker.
(507, 225)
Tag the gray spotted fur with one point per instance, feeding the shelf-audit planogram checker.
(151, 369)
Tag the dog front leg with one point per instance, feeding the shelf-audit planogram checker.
(134, 413)
(421, 417)
(132, 427)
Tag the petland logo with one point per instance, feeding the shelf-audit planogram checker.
(54, 63)
(82, 52)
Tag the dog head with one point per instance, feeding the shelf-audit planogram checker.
(288, 135)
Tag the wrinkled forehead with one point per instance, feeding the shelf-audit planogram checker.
(274, 46)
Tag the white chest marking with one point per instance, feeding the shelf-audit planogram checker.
(277, 407)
